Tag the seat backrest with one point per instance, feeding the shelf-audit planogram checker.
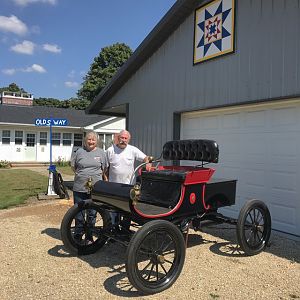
(199, 150)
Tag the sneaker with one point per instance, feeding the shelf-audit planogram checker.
(89, 242)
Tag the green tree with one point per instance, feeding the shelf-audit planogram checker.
(70, 103)
(13, 87)
(74, 103)
(104, 66)
(46, 102)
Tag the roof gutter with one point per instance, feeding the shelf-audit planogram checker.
(33, 125)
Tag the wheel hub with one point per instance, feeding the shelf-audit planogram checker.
(256, 227)
(157, 258)
(160, 259)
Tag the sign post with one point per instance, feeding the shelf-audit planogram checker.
(52, 168)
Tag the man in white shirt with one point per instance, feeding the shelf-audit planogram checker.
(121, 158)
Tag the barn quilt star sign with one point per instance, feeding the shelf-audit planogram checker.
(214, 30)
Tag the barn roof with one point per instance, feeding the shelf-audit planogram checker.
(167, 25)
(17, 114)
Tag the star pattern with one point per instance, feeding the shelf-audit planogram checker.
(213, 29)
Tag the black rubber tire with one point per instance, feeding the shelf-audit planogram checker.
(64, 194)
(253, 227)
(73, 245)
(59, 186)
(155, 243)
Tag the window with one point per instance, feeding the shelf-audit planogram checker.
(18, 137)
(67, 139)
(30, 139)
(105, 140)
(78, 139)
(43, 138)
(101, 140)
(5, 136)
(108, 140)
(56, 138)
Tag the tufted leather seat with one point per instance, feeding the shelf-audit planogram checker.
(112, 189)
(200, 150)
(166, 175)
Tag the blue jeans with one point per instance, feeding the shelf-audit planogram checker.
(116, 220)
(80, 218)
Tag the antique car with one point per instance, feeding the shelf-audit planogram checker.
(154, 214)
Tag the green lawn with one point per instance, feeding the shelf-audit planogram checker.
(66, 170)
(16, 186)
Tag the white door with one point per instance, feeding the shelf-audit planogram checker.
(259, 146)
(30, 146)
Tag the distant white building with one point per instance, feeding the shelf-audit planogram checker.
(22, 141)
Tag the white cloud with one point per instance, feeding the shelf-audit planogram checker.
(26, 47)
(52, 48)
(27, 2)
(35, 68)
(13, 24)
(9, 71)
(71, 84)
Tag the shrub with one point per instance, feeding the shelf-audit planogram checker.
(62, 162)
(4, 164)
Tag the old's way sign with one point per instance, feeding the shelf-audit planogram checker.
(51, 122)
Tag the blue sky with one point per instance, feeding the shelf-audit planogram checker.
(47, 46)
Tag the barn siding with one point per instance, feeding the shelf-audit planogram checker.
(265, 66)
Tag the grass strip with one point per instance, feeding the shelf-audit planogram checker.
(17, 185)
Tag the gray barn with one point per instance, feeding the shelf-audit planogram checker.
(180, 84)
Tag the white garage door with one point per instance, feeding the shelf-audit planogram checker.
(259, 146)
